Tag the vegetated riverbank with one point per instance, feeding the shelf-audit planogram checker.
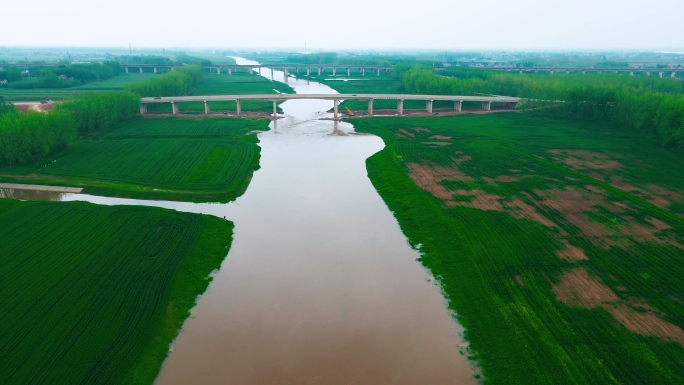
(558, 243)
(96, 293)
(186, 159)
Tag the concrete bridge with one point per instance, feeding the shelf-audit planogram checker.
(309, 68)
(551, 70)
(506, 101)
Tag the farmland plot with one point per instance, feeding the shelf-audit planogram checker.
(179, 158)
(559, 244)
(91, 292)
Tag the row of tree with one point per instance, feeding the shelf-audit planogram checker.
(28, 137)
(643, 104)
(61, 76)
(25, 138)
(101, 111)
(181, 81)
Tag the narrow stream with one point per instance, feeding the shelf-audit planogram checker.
(320, 285)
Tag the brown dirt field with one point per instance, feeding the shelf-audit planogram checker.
(577, 288)
(574, 205)
(440, 137)
(647, 324)
(513, 170)
(420, 129)
(572, 253)
(482, 200)
(405, 134)
(582, 160)
(428, 176)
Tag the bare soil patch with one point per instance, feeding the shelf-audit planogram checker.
(582, 160)
(572, 253)
(405, 134)
(440, 144)
(440, 137)
(420, 129)
(427, 176)
(578, 288)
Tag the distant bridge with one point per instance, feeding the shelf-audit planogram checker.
(551, 70)
(506, 101)
(284, 67)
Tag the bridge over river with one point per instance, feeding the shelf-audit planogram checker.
(506, 101)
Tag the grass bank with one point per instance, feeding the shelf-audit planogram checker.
(188, 159)
(95, 294)
(558, 244)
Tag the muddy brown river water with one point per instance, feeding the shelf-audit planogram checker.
(320, 285)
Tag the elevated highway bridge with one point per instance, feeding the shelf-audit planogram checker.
(487, 101)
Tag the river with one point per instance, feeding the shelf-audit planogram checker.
(320, 285)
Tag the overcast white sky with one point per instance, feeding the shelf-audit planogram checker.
(381, 24)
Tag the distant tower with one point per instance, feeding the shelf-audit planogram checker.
(130, 51)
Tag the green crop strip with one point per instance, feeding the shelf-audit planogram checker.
(497, 203)
(95, 294)
(188, 159)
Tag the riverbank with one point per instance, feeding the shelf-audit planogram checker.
(558, 243)
(110, 295)
(186, 159)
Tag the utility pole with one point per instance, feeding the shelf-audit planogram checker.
(130, 50)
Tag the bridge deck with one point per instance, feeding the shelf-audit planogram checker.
(279, 97)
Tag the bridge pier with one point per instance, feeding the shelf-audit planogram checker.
(155, 70)
(567, 72)
(486, 106)
(370, 106)
(308, 71)
(584, 72)
(336, 107)
(428, 104)
(334, 71)
(319, 71)
(275, 109)
(259, 69)
(141, 70)
(363, 71)
(551, 72)
(207, 110)
(286, 74)
(239, 110)
(674, 74)
(631, 73)
(348, 72)
(660, 74)
(143, 109)
(272, 72)
(521, 72)
(458, 105)
(648, 73)
(251, 71)
(126, 68)
(230, 71)
(400, 106)
(174, 108)
(218, 70)
(378, 71)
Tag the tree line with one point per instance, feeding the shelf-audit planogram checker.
(644, 104)
(181, 81)
(28, 137)
(61, 76)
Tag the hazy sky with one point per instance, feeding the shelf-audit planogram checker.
(442, 24)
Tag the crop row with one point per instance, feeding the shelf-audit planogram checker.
(83, 287)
